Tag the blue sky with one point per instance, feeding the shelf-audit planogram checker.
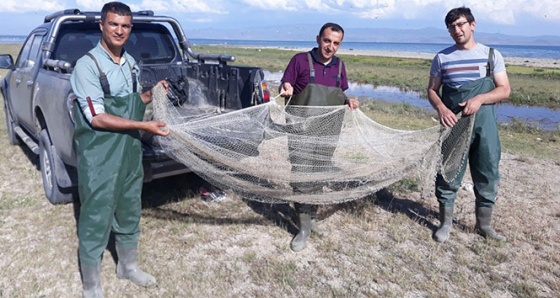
(512, 17)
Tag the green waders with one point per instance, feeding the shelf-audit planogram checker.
(110, 176)
(483, 159)
(484, 151)
(316, 157)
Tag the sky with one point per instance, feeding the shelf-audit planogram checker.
(511, 17)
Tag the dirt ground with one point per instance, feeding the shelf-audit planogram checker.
(378, 246)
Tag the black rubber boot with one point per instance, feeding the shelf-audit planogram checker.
(127, 268)
(299, 242)
(484, 225)
(91, 281)
(446, 223)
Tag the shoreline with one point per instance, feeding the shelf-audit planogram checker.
(519, 61)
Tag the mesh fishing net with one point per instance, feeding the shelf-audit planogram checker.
(455, 147)
(316, 155)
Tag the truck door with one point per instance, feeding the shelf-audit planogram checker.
(22, 80)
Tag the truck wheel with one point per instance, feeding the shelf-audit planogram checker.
(53, 192)
(12, 137)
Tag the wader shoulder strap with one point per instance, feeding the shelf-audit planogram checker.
(134, 78)
(339, 76)
(490, 64)
(102, 77)
(312, 70)
(105, 82)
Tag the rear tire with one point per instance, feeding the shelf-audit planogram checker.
(55, 194)
(12, 137)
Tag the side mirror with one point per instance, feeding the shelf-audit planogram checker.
(6, 61)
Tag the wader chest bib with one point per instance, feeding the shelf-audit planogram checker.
(319, 95)
(110, 176)
(308, 158)
(485, 149)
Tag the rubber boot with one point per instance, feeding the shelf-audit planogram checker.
(91, 281)
(484, 226)
(127, 268)
(446, 223)
(299, 242)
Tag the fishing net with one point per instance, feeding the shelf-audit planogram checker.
(317, 155)
(455, 147)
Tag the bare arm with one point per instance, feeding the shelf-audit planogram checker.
(445, 115)
(111, 122)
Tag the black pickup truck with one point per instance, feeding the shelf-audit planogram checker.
(38, 97)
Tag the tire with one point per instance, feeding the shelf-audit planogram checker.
(12, 137)
(53, 192)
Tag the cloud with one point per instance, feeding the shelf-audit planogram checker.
(185, 6)
(24, 6)
(160, 6)
(497, 11)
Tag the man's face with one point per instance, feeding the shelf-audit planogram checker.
(461, 30)
(328, 43)
(116, 30)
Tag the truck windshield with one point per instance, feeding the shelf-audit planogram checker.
(148, 43)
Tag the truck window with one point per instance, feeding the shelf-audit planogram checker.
(29, 54)
(73, 44)
(149, 43)
(151, 46)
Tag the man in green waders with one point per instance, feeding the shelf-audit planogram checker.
(473, 78)
(108, 115)
(314, 78)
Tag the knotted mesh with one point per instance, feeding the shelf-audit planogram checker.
(317, 155)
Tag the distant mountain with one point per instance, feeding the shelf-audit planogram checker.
(424, 35)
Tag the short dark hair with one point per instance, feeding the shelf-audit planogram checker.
(458, 12)
(115, 7)
(334, 27)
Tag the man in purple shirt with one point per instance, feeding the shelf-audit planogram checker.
(314, 78)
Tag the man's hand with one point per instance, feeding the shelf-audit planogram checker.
(147, 95)
(163, 83)
(446, 117)
(471, 106)
(286, 90)
(353, 103)
(157, 128)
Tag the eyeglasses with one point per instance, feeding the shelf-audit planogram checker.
(458, 25)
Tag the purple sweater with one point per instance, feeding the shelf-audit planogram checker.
(297, 72)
